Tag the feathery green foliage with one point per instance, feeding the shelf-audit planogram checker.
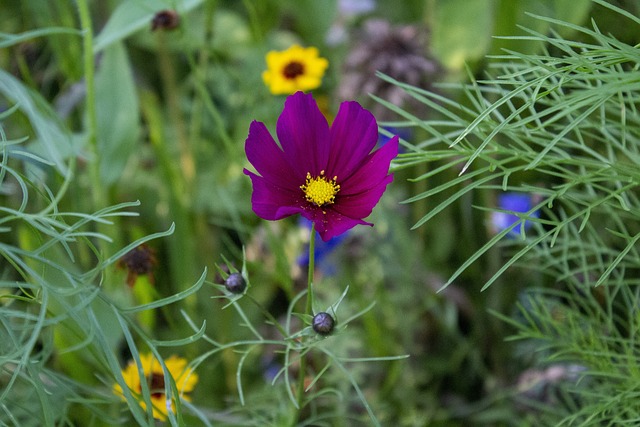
(562, 126)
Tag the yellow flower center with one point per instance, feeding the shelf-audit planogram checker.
(292, 70)
(320, 190)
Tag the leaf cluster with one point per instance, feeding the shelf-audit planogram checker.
(563, 127)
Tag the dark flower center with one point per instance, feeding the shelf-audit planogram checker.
(140, 260)
(293, 69)
(156, 385)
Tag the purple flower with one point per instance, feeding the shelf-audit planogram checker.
(514, 202)
(327, 174)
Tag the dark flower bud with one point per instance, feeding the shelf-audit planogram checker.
(165, 20)
(323, 323)
(235, 283)
(138, 261)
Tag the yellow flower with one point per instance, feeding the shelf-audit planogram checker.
(294, 69)
(184, 378)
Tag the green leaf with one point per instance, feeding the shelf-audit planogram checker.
(54, 140)
(134, 15)
(512, 14)
(169, 300)
(7, 40)
(461, 30)
(117, 113)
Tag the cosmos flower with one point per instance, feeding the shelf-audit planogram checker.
(327, 174)
(514, 202)
(294, 69)
(184, 378)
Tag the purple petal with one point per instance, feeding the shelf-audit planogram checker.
(360, 205)
(330, 223)
(372, 172)
(354, 133)
(303, 133)
(272, 202)
(265, 155)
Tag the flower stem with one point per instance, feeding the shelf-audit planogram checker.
(308, 311)
(312, 245)
(166, 68)
(98, 191)
(87, 62)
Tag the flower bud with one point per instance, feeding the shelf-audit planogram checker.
(165, 20)
(235, 283)
(138, 261)
(323, 323)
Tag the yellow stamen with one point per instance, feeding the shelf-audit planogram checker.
(320, 190)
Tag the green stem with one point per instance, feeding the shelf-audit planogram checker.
(181, 246)
(312, 256)
(172, 97)
(308, 311)
(89, 80)
(87, 61)
(92, 119)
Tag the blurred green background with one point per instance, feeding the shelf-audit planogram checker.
(165, 125)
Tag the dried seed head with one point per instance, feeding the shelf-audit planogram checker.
(398, 51)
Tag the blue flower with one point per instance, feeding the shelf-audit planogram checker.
(270, 368)
(514, 202)
(403, 132)
(322, 249)
(356, 7)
